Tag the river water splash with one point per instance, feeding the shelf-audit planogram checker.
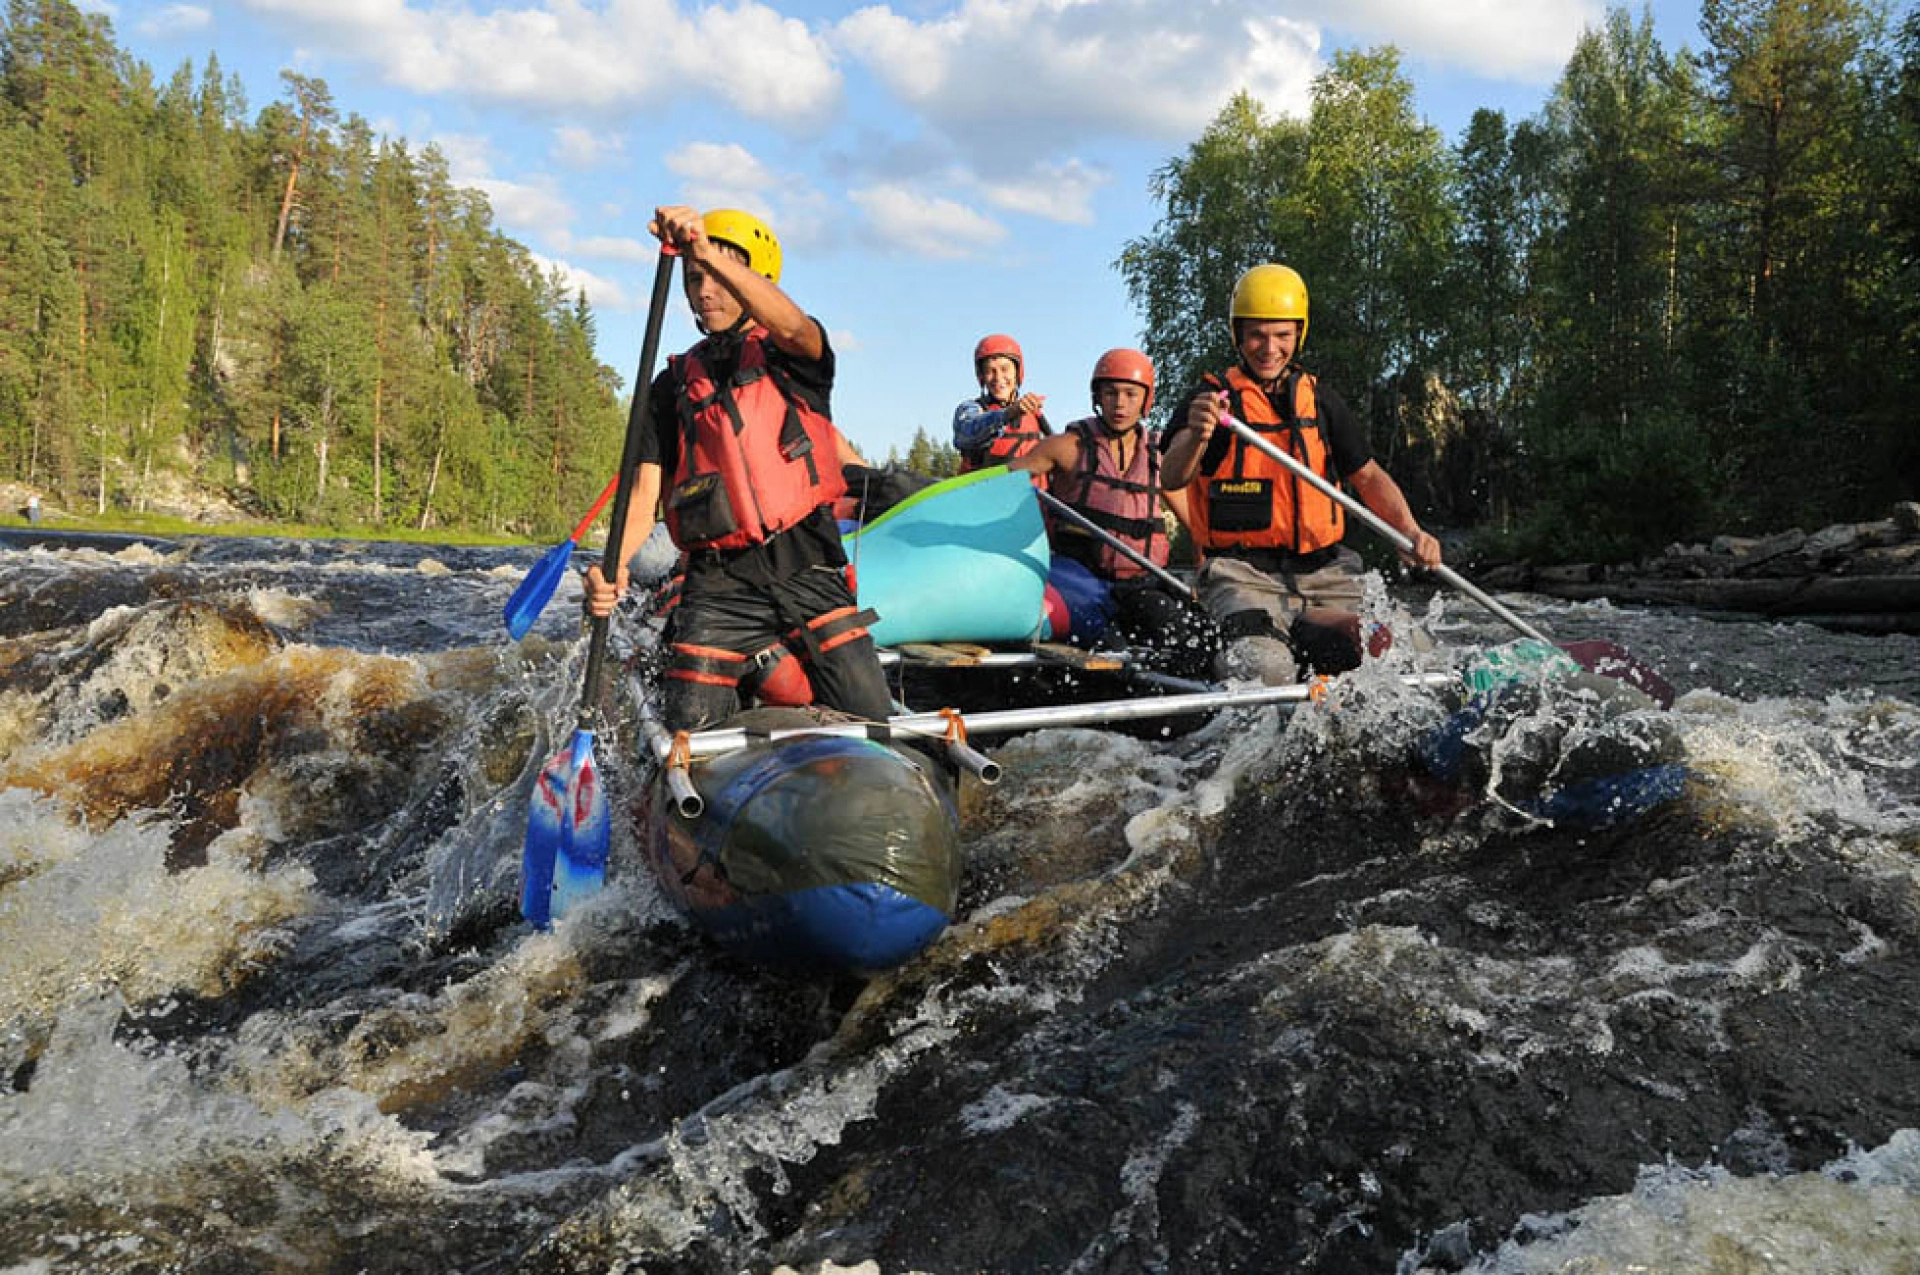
(1260, 997)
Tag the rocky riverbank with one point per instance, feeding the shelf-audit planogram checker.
(166, 494)
(1861, 577)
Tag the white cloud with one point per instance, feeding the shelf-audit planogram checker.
(583, 148)
(1526, 40)
(1024, 78)
(925, 225)
(530, 206)
(569, 54)
(175, 20)
(728, 175)
(526, 208)
(469, 156)
(1057, 192)
(602, 293)
(723, 175)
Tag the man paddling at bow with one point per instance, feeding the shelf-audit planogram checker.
(744, 448)
(1283, 587)
(1106, 469)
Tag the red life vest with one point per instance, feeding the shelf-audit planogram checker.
(1011, 443)
(1250, 500)
(755, 457)
(1125, 505)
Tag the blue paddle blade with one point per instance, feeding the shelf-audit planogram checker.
(581, 868)
(568, 832)
(531, 598)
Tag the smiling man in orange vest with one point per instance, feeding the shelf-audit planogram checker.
(744, 448)
(1283, 587)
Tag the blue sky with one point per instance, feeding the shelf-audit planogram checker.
(936, 169)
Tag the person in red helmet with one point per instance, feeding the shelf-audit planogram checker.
(1003, 422)
(1106, 468)
(745, 459)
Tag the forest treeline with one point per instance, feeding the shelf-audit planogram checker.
(1683, 299)
(290, 308)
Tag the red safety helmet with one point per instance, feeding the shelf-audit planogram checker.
(1124, 365)
(1000, 346)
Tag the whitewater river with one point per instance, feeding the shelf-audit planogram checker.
(1255, 999)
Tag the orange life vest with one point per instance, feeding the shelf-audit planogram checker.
(1011, 443)
(1249, 500)
(1125, 505)
(755, 458)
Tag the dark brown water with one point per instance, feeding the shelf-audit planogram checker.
(1253, 1000)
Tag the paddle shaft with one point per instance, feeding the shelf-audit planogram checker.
(639, 417)
(1120, 546)
(708, 743)
(606, 494)
(1392, 534)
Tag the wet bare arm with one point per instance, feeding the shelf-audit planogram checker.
(786, 323)
(1378, 492)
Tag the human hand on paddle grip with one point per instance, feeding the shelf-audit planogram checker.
(1027, 404)
(682, 229)
(602, 597)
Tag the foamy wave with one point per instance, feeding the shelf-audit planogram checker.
(1853, 759)
(1858, 1215)
(88, 912)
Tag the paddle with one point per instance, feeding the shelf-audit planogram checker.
(1120, 546)
(568, 827)
(530, 599)
(1596, 656)
(724, 739)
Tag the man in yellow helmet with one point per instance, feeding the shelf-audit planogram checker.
(745, 461)
(1282, 586)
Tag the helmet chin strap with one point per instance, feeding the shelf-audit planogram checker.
(739, 326)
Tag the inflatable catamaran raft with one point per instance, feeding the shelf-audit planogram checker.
(800, 838)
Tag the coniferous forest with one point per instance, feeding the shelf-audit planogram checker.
(286, 307)
(1683, 299)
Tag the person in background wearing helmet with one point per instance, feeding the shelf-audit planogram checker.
(1282, 586)
(1002, 423)
(744, 450)
(1107, 469)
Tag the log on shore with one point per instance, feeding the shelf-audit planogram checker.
(1859, 577)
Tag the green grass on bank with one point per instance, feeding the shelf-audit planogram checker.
(126, 522)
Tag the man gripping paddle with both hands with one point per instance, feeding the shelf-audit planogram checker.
(743, 446)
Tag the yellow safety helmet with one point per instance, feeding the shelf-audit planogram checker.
(750, 235)
(1270, 292)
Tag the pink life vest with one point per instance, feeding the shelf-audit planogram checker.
(1124, 505)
